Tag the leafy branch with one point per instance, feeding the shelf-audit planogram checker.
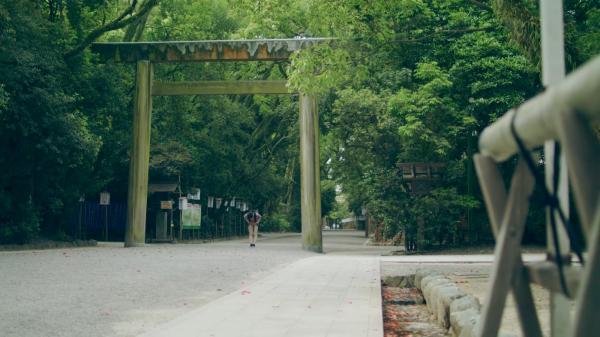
(126, 18)
(445, 32)
(523, 26)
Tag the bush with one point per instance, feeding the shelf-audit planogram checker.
(440, 213)
(275, 223)
(22, 226)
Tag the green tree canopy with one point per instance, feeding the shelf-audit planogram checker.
(402, 81)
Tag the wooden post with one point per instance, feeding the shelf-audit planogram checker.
(135, 230)
(586, 306)
(494, 194)
(508, 250)
(367, 220)
(310, 194)
(269, 87)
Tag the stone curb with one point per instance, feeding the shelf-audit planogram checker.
(450, 305)
(49, 245)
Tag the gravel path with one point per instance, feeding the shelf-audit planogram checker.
(111, 291)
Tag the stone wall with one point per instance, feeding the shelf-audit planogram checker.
(449, 305)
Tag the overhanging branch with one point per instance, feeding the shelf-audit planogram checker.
(122, 21)
(445, 32)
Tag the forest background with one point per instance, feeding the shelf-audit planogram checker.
(405, 81)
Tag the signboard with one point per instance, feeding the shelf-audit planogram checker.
(219, 201)
(211, 202)
(192, 216)
(182, 203)
(104, 198)
(166, 204)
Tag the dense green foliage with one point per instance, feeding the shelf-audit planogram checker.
(405, 81)
(424, 98)
(430, 76)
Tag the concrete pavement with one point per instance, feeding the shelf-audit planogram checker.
(330, 295)
(327, 296)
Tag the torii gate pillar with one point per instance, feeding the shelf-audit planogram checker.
(310, 175)
(135, 230)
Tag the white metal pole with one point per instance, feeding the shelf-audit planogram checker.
(553, 72)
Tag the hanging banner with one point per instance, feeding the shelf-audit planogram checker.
(104, 198)
(238, 204)
(244, 207)
(182, 203)
(211, 202)
(195, 195)
(219, 201)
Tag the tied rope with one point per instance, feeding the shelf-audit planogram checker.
(550, 200)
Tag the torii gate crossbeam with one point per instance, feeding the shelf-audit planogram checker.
(144, 54)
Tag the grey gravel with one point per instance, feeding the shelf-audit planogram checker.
(112, 291)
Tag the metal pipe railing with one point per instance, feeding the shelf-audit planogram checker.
(539, 119)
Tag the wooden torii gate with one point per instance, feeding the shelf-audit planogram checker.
(144, 54)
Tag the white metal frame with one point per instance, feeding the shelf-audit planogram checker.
(566, 113)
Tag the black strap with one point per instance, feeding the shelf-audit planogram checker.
(550, 200)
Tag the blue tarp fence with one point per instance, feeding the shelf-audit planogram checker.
(94, 219)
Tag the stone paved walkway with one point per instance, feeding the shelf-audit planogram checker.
(327, 296)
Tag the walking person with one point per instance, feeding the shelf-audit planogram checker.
(252, 218)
